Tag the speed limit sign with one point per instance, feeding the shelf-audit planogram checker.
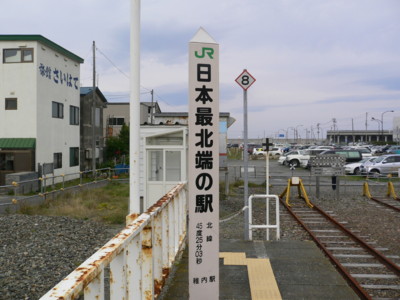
(245, 80)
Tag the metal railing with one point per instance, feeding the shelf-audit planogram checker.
(267, 224)
(139, 257)
(36, 191)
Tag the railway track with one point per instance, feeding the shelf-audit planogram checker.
(372, 271)
(393, 204)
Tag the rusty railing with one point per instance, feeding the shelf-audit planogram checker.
(138, 258)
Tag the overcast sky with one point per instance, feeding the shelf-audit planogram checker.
(314, 61)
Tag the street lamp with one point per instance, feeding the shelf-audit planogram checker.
(297, 132)
(379, 122)
(287, 133)
(382, 118)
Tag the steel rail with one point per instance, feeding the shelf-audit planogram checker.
(351, 281)
(382, 258)
(386, 204)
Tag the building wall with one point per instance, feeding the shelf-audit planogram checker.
(50, 77)
(18, 80)
(55, 134)
(87, 131)
(115, 110)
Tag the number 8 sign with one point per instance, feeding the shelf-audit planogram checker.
(245, 80)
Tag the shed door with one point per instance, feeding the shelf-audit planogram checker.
(164, 171)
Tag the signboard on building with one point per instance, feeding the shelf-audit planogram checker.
(203, 167)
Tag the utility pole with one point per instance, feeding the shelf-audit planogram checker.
(134, 111)
(334, 130)
(152, 110)
(94, 112)
(366, 126)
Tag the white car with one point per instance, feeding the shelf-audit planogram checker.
(259, 151)
(275, 151)
(282, 158)
(365, 152)
(355, 168)
(291, 158)
(305, 159)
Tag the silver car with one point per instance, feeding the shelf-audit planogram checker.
(387, 164)
(357, 168)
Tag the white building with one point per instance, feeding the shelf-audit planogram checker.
(39, 88)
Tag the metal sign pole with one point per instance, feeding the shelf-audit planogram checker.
(245, 80)
(267, 173)
(246, 168)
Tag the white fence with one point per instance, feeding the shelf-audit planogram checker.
(139, 257)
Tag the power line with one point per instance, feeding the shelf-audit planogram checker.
(111, 62)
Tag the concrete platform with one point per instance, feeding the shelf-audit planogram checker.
(300, 270)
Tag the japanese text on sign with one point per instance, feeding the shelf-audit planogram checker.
(58, 76)
(203, 170)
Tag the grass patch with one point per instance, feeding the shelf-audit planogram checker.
(234, 153)
(108, 204)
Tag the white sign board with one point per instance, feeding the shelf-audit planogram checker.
(203, 167)
(245, 80)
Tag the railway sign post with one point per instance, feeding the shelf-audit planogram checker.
(328, 165)
(203, 167)
(245, 80)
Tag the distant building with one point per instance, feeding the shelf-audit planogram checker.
(359, 136)
(87, 133)
(39, 115)
(117, 114)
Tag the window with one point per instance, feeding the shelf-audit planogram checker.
(116, 121)
(57, 110)
(155, 165)
(97, 117)
(74, 156)
(73, 115)
(57, 160)
(172, 165)
(6, 161)
(11, 103)
(17, 55)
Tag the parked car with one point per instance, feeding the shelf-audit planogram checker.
(259, 151)
(232, 145)
(363, 167)
(275, 151)
(305, 160)
(355, 168)
(294, 157)
(350, 155)
(282, 158)
(365, 152)
(393, 150)
(250, 147)
(387, 164)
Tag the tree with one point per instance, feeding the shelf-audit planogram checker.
(118, 146)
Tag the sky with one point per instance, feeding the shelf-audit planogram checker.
(331, 63)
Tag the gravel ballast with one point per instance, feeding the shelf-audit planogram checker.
(36, 252)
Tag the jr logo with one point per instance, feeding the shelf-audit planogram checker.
(204, 51)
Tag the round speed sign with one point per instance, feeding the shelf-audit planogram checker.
(245, 80)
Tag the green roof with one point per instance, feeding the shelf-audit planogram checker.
(17, 143)
(41, 39)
